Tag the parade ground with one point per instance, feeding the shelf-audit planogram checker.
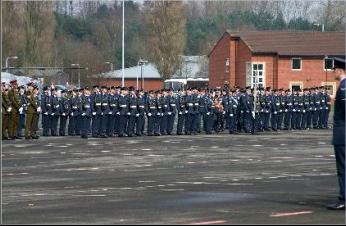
(286, 177)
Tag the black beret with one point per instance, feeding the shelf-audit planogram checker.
(339, 63)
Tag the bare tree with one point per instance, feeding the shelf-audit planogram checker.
(166, 23)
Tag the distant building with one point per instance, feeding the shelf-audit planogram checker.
(278, 59)
(148, 79)
(192, 73)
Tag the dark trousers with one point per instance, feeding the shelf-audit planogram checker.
(46, 124)
(189, 118)
(170, 123)
(339, 151)
(62, 126)
(85, 125)
(209, 121)
(54, 125)
(280, 120)
(110, 126)
(266, 120)
(105, 123)
(79, 122)
(131, 125)
(315, 118)
(287, 119)
(122, 125)
(274, 121)
(326, 118)
(116, 124)
(180, 124)
(232, 124)
(163, 124)
(198, 122)
(96, 125)
(72, 125)
(140, 125)
(21, 125)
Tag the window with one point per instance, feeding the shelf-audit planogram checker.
(227, 65)
(330, 87)
(328, 63)
(257, 74)
(296, 85)
(296, 63)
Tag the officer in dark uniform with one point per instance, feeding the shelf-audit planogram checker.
(172, 104)
(152, 114)
(181, 105)
(339, 131)
(117, 114)
(232, 112)
(65, 109)
(275, 107)
(282, 108)
(106, 112)
(268, 98)
(164, 104)
(54, 116)
(113, 108)
(85, 112)
(288, 110)
(123, 111)
(140, 117)
(209, 112)
(97, 114)
(326, 110)
(74, 113)
(189, 118)
(306, 109)
(133, 111)
(46, 111)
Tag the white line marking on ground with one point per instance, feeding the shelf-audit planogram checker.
(290, 214)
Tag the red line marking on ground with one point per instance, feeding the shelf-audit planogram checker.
(290, 214)
(209, 222)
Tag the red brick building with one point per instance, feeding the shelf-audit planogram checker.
(280, 59)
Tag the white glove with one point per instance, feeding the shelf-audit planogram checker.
(57, 106)
(83, 114)
(223, 112)
(128, 113)
(110, 113)
(180, 113)
(63, 114)
(39, 109)
(72, 114)
(149, 114)
(118, 113)
(94, 113)
(158, 114)
(275, 112)
(186, 112)
(9, 109)
(51, 114)
(169, 113)
(137, 115)
(208, 113)
(253, 114)
(21, 109)
(231, 115)
(46, 113)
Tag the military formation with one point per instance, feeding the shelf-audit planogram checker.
(103, 112)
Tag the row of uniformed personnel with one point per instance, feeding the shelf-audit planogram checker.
(119, 111)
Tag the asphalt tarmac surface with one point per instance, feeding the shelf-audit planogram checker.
(272, 178)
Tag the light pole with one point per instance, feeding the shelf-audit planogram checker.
(141, 62)
(11, 57)
(77, 65)
(325, 68)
